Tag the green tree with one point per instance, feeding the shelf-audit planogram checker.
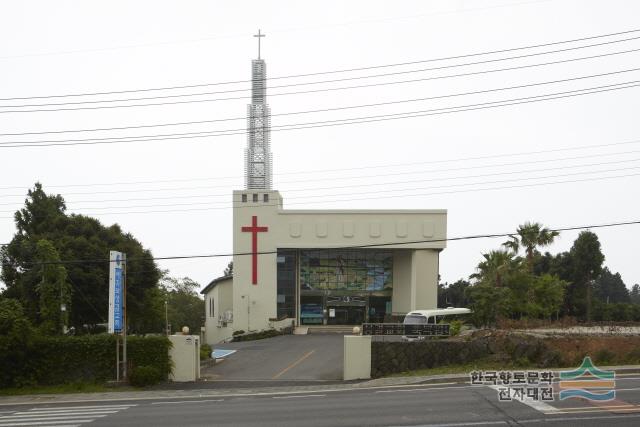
(488, 303)
(78, 237)
(184, 305)
(13, 322)
(495, 267)
(453, 295)
(548, 296)
(530, 236)
(634, 295)
(610, 288)
(53, 290)
(587, 259)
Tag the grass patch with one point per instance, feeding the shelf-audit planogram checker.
(63, 389)
(480, 365)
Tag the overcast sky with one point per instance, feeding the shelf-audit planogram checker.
(563, 162)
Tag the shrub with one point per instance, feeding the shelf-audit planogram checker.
(143, 376)
(454, 328)
(604, 356)
(240, 332)
(267, 333)
(205, 352)
(633, 357)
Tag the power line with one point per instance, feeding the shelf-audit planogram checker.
(332, 71)
(350, 199)
(558, 159)
(329, 89)
(367, 119)
(371, 245)
(311, 111)
(372, 185)
(395, 73)
(388, 165)
(379, 192)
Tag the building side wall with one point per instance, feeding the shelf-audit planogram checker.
(401, 297)
(222, 295)
(425, 273)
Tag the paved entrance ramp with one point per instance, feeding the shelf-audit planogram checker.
(316, 357)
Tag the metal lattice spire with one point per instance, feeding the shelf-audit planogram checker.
(258, 158)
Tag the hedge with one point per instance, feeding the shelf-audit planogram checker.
(41, 360)
(393, 357)
(504, 348)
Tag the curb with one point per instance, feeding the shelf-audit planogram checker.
(165, 394)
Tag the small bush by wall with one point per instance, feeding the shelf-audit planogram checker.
(142, 376)
(267, 333)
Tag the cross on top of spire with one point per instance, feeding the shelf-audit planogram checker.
(259, 36)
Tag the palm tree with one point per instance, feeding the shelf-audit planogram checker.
(496, 265)
(530, 236)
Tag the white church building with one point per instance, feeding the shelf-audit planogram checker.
(317, 267)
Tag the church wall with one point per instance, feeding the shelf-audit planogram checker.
(254, 305)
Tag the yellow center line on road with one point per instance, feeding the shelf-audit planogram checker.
(279, 374)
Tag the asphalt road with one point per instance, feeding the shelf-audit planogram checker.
(315, 357)
(423, 405)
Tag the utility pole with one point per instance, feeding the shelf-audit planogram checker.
(166, 318)
(589, 284)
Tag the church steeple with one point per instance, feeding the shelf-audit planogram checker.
(258, 158)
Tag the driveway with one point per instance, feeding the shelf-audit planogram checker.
(287, 357)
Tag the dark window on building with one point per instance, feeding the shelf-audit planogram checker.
(255, 198)
(286, 293)
(211, 313)
(265, 197)
(244, 198)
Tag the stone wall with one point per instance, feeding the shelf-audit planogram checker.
(503, 349)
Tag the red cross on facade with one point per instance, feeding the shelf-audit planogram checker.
(254, 230)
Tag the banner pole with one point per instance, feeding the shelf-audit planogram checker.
(117, 358)
(124, 328)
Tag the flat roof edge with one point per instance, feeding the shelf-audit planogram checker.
(360, 211)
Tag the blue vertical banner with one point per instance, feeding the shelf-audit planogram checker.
(116, 291)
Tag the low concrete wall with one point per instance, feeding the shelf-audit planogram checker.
(185, 354)
(357, 357)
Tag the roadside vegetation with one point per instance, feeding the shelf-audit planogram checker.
(516, 283)
(53, 312)
(38, 279)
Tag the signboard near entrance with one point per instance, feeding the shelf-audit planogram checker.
(429, 330)
(116, 264)
(332, 312)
